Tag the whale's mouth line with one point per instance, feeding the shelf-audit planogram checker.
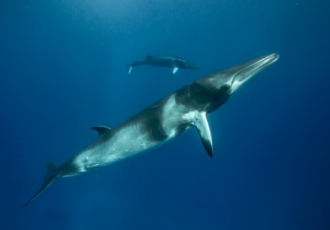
(261, 65)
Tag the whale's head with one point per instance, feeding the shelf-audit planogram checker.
(184, 64)
(232, 78)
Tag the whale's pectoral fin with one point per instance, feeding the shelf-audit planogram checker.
(48, 180)
(175, 69)
(101, 129)
(199, 120)
(204, 131)
(128, 67)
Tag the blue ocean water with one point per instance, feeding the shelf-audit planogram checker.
(62, 71)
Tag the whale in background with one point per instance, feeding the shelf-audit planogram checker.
(167, 61)
(164, 120)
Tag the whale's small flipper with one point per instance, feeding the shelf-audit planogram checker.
(48, 180)
(101, 129)
(128, 67)
(199, 120)
(204, 131)
(175, 69)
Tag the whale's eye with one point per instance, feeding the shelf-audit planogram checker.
(226, 86)
(85, 160)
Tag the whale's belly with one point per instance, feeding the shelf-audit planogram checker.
(126, 142)
(135, 138)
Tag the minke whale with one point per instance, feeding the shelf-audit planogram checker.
(167, 61)
(164, 120)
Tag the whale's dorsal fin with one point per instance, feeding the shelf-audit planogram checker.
(198, 119)
(149, 56)
(101, 129)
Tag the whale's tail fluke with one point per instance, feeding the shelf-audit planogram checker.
(128, 67)
(50, 176)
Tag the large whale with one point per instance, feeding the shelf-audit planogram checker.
(162, 121)
(167, 61)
